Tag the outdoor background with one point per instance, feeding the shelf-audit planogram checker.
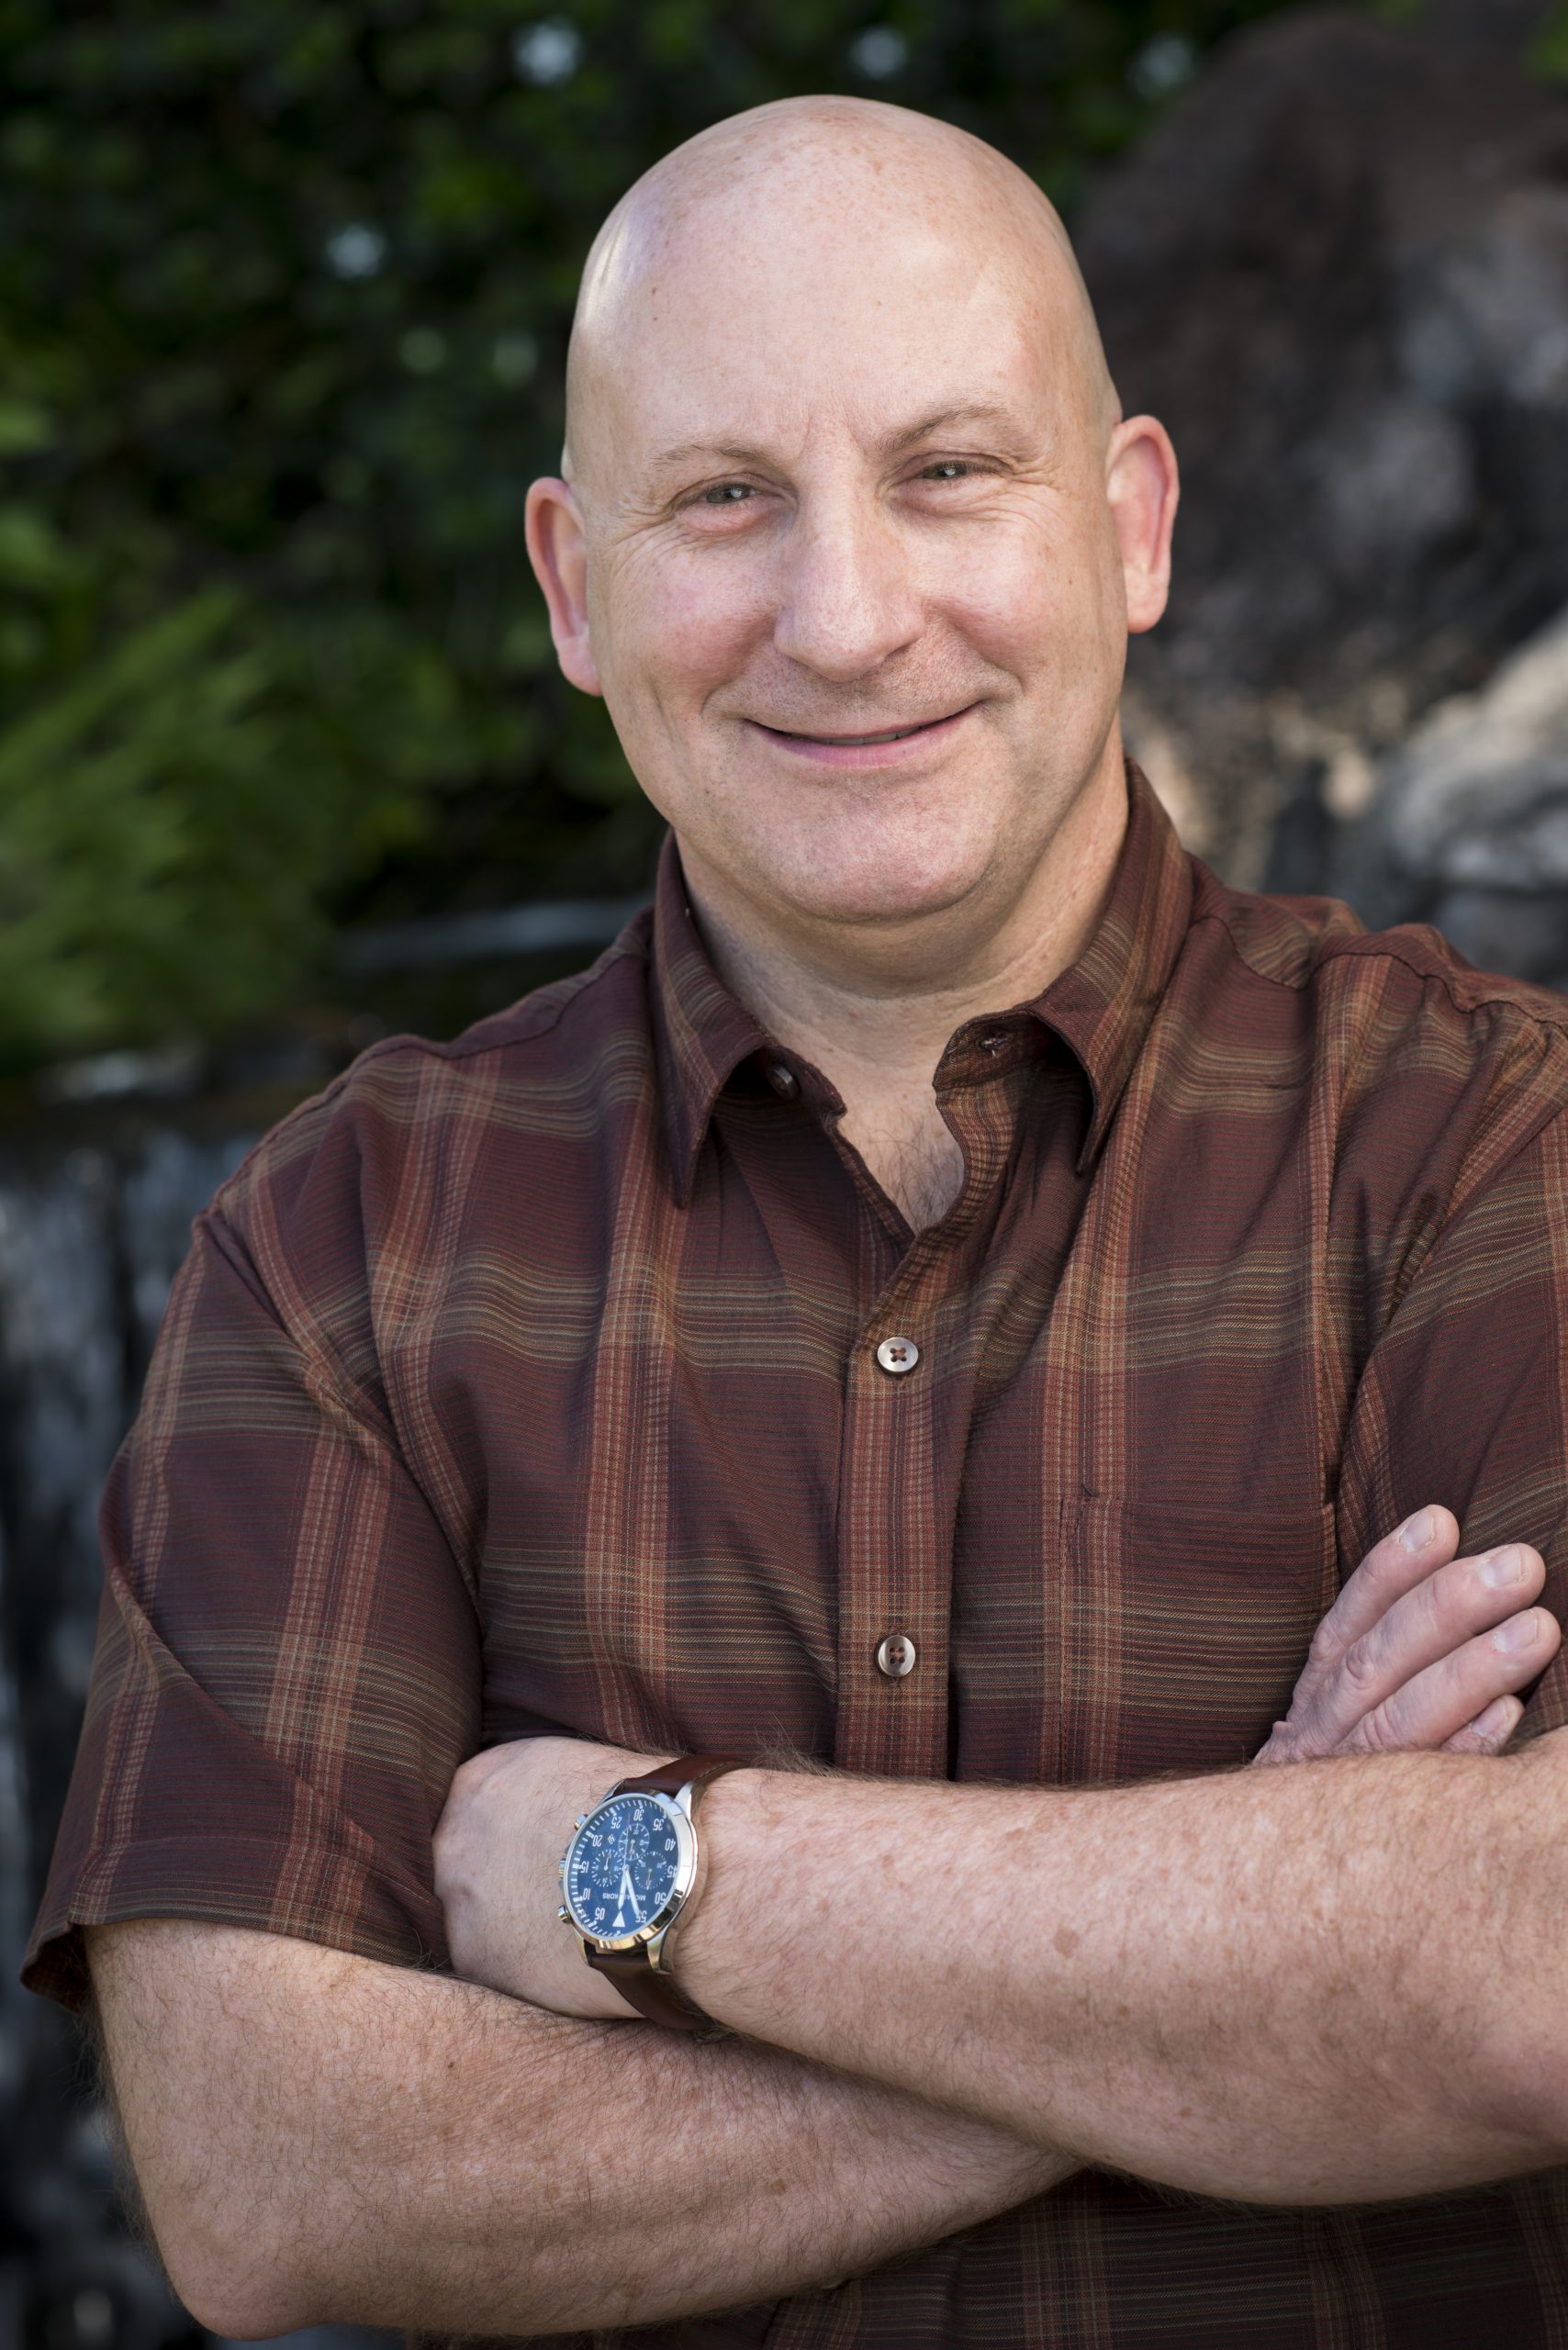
(284, 287)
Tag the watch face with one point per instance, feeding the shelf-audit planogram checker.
(623, 1867)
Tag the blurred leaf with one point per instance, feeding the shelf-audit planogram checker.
(23, 428)
(33, 555)
(1549, 51)
(157, 871)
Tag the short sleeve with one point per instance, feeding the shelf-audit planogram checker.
(287, 1669)
(1465, 1399)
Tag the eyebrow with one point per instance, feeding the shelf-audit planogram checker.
(890, 443)
(967, 412)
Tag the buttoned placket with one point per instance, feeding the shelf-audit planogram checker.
(907, 1386)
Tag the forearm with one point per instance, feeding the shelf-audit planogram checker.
(1329, 1982)
(408, 2150)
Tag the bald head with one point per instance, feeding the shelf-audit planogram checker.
(852, 536)
(828, 198)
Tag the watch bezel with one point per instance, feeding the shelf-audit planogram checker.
(676, 1898)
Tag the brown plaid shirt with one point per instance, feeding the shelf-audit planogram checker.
(529, 1383)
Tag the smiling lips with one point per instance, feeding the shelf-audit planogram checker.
(884, 749)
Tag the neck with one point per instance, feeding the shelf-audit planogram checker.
(875, 1013)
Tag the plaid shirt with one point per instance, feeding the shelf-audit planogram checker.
(530, 1384)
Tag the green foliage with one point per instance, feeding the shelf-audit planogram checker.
(1549, 51)
(153, 875)
(284, 293)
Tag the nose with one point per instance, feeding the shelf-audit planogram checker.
(849, 599)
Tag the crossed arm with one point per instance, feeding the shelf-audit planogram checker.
(320, 2137)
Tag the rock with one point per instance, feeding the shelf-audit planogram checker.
(1338, 272)
(90, 1233)
(94, 1223)
(1468, 825)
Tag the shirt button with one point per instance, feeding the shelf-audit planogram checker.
(994, 1042)
(895, 1655)
(897, 1355)
(783, 1081)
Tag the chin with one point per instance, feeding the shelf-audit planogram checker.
(877, 882)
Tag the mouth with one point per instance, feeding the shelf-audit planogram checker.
(862, 750)
(893, 734)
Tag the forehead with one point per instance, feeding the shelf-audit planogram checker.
(863, 306)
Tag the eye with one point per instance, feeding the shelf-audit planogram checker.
(948, 469)
(727, 493)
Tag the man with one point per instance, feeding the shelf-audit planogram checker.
(942, 1300)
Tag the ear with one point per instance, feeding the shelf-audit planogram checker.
(558, 552)
(1143, 485)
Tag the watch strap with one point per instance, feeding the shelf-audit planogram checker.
(652, 1994)
(633, 1972)
(693, 1770)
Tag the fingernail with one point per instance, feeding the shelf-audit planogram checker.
(1417, 1531)
(1499, 1717)
(1500, 1568)
(1519, 1632)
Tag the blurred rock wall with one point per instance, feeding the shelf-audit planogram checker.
(90, 1235)
(1338, 272)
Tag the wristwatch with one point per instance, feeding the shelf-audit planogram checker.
(627, 1875)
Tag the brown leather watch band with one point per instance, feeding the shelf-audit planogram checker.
(687, 1770)
(633, 1972)
(653, 1995)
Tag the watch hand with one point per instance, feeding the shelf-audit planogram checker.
(627, 1893)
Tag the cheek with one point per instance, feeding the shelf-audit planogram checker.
(1002, 588)
(1041, 611)
(666, 633)
(1011, 623)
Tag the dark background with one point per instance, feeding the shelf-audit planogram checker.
(284, 287)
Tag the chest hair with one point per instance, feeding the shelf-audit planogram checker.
(910, 1150)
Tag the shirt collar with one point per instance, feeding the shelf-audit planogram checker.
(1100, 1008)
(701, 1032)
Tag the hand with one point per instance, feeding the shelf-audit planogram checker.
(1421, 1649)
(499, 1843)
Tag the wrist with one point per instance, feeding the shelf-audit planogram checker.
(731, 1832)
(633, 1869)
